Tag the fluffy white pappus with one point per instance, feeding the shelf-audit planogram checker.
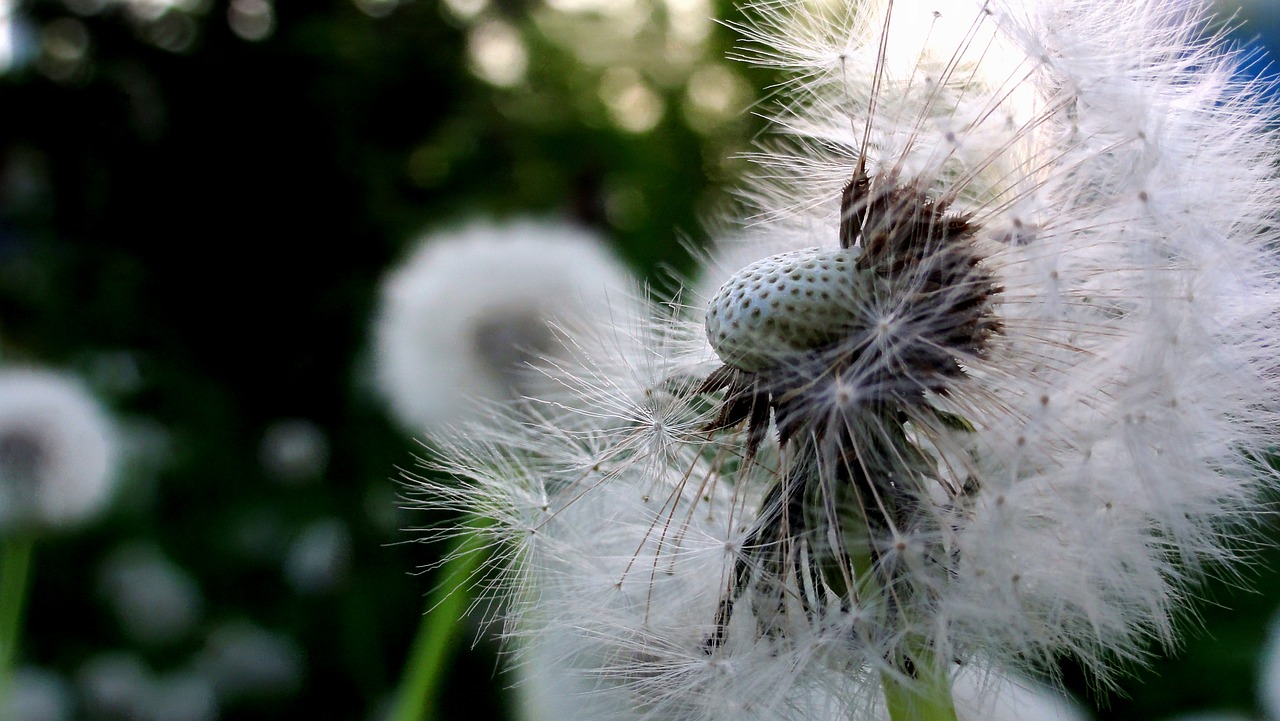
(982, 697)
(995, 385)
(608, 566)
(552, 685)
(462, 318)
(58, 451)
(1111, 185)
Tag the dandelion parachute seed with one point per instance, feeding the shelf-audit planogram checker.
(995, 388)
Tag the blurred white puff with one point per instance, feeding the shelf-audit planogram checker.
(547, 690)
(318, 559)
(38, 694)
(1011, 698)
(294, 451)
(182, 696)
(465, 314)
(1269, 672)
(244, 660)
(57, 451)
(120, 686)
(116, 685)
(155, 600)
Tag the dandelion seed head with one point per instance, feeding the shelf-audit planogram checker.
(464, 317)
(1103, 381)
(57, 451)
(1030, 414)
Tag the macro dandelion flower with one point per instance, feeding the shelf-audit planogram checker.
(464, 315)
(994, 387)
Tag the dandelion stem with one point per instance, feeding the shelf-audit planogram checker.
(918, 688)
(438, 632)
(926, 698)
(15, 572)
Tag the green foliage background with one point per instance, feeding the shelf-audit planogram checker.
(197, 222)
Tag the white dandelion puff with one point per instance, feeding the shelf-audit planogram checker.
(548, 690)
(243, 660)
(155, 600)
(57, 451)
(116, 685)
(996, 388)
(39, 694)
(464, 315)
(1045, 374)
(985, 698)
(319, 558)
(294, 451)
(182, 695)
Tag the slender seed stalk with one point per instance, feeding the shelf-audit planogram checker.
(15, 573)
(928, 698)
(437, 634)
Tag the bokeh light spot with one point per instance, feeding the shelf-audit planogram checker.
(251, 19)
(64, 45)
(377, 8)
(633, 106)
(466, 9)
(713, 95)
(625, 207)
(173, 31)
(498, 54)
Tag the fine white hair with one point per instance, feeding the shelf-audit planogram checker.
(1035, 413)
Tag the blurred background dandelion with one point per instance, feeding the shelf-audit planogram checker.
(199, 201)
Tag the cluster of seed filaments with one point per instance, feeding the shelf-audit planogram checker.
(904, 295)
(888, 317)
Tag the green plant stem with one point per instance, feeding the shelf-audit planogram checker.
(926, 698)
(15, 572)
(437, 634)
